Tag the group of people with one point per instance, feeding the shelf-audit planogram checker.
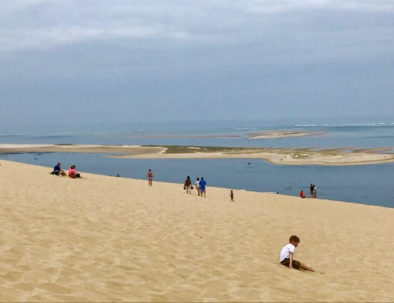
(200, 185)
(72, 173)
(312, 191)
(286, 254)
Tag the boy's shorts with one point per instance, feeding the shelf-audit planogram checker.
(286, 262)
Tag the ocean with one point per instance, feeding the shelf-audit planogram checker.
(368, 184)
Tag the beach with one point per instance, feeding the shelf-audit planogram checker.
(104, 238)
(285, 156)
(272, 134)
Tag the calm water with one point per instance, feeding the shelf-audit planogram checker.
(336, 135)
(369, 184)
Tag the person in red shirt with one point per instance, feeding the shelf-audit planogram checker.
(302, 195)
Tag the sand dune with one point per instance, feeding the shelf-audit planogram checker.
(114, 239)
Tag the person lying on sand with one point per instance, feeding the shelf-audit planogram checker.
(57, 170)
(287, 252)
(72, 173)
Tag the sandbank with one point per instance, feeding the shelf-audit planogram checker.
(112, 239)
(281, 134)
(285, 156)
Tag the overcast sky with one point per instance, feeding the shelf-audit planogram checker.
(125, 61)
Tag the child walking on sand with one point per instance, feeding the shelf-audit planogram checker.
(287, 252)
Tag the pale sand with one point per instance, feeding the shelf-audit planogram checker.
(278, 156)
(109, 239)
(285, 156)
(281, 134)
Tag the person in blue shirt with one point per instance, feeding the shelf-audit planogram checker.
(57, 170)
(203, 189)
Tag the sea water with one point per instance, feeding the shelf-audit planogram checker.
(371, 184)
(222, 133)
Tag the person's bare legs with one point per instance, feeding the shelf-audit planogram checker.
(304, 267)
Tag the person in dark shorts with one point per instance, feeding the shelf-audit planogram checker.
(311, 190)
(150, 176)
(188, 185)
(231, 195)
(57, 170)
(72, 173)
(287, 252)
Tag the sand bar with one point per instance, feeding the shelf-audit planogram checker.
(110, 239)
(299, 156)
(281, 134)
(76, 148)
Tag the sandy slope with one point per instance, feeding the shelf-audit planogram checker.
(112, 239)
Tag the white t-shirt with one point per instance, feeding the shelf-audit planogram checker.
(286, 250)
(197, 184)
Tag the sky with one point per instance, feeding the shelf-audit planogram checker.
(100, 61)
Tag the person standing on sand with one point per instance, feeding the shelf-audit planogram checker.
(150, 176)
(197, 184)
(232, 195)
(311, 190)
(287, 252)
(188, 185)
(314, 191)
(203, 189)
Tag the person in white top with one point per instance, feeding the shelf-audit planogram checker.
(287, 252)
(197, 185)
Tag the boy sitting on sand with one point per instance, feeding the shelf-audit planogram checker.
(287, 252)
(57, 170)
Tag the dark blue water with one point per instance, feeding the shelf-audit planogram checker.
(368, 184)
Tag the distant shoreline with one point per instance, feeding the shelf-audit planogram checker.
(268, 134)
(284, 156)
(281, 134)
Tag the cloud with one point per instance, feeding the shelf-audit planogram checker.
(54, 36)
(286, 24)
(280, 6)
